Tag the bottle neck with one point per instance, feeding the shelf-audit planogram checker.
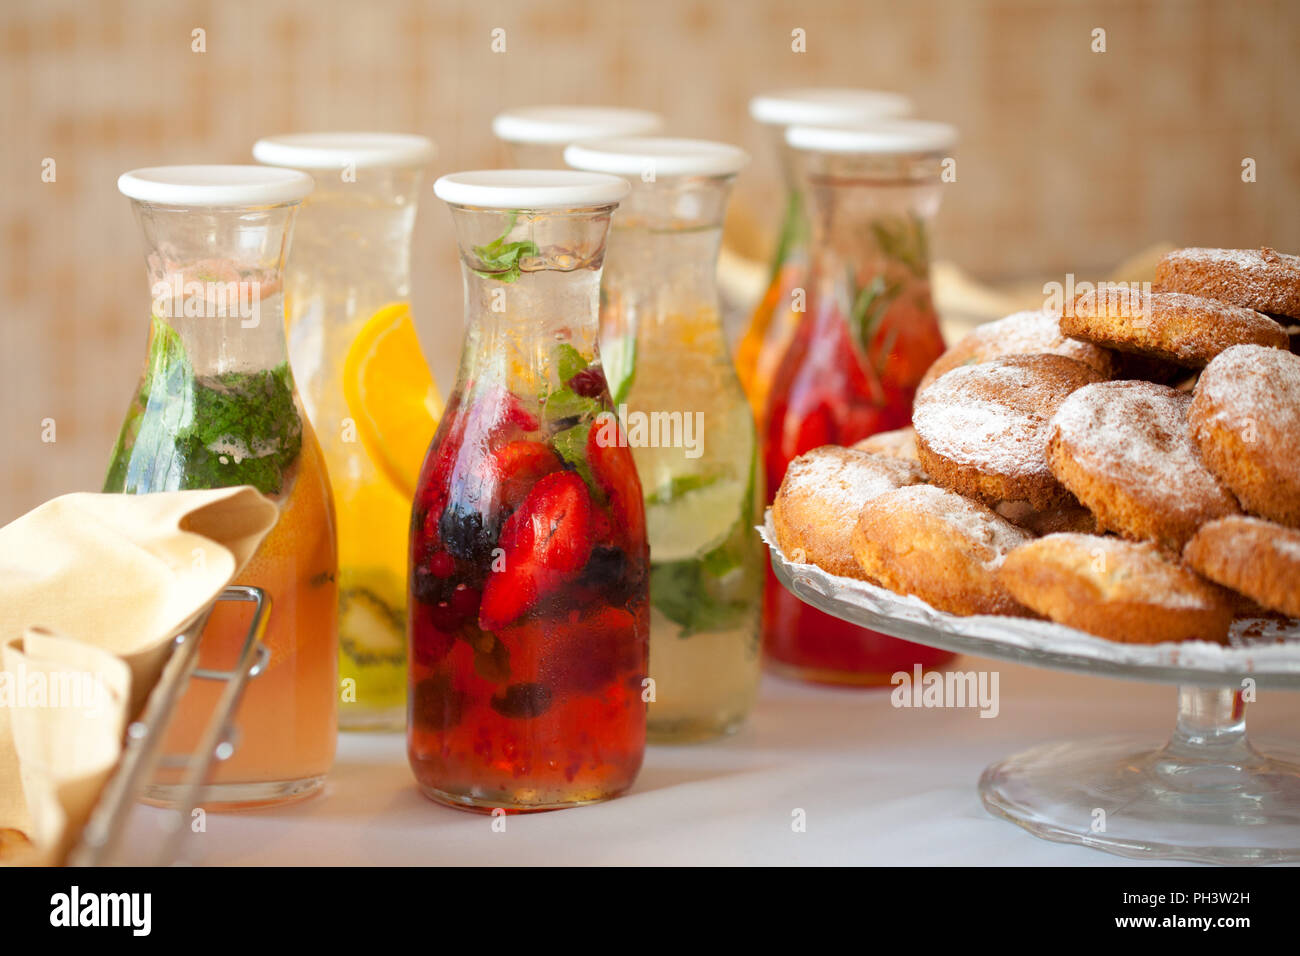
(216, 284)
(352, 251)
(662, 264)
(513, 330)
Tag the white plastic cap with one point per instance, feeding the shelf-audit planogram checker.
(826, 106)
(634, 155)
(559, 125)
(215, 185)
(530, 189)
(882, 137)
(336, 150)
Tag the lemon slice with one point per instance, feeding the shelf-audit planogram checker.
(391, 395)
(692, 524)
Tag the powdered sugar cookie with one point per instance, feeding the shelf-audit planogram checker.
(821, 496)
(982, 430)
(1124, 449)
(1120, 590)
(1021, 333)
(939, 546)
(1172, 326)
(1254, 557)
(1259, 279)
(1245, 418)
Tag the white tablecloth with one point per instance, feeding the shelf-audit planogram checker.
(879, 785)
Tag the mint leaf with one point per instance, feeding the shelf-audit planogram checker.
(500, 259)
(185, 431)
(571, 445)
(566, 403)
(568, 361)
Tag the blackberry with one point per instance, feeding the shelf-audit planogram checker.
(522, 700)
(436, 704)
(463, 534)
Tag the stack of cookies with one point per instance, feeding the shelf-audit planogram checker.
(1128, 465)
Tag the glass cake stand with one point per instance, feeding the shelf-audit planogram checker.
(1206, 794)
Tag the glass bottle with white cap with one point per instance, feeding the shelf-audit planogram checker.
(689, 426)
(216, 407)
(365, 383)
(858, 354)
(537, 135)
(761, 348)
(529, 614)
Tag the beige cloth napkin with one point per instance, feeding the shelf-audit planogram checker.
(92, 590)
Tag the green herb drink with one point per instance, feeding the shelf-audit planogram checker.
(689, 427)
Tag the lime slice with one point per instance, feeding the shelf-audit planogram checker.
(618, 356)
(694, 522)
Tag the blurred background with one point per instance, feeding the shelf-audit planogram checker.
(1070, 160)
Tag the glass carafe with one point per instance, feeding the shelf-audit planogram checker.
(689, 426)
(537, 135)
(772, 326)
(869, 333)
(216, 407)
(529, 613)
(366, 386)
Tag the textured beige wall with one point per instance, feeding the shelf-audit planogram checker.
(1070, 159)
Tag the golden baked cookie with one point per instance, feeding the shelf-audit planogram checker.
(899, 443)
(821, 496)
(1245, 419)
(1254, 557)
(1125, 450)
(1021, 333)
(1068, 516)
(939, 546)
(1173, 326)
(1120, 590)
(981, 430)
(1259, 279)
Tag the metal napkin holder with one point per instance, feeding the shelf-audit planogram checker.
(100, 843)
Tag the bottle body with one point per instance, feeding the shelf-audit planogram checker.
(351, 269)
(528, 589)
(696, 452)
(216, 407)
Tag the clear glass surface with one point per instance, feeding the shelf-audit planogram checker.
(695, 448)
(350, 261)
(216, 406)
(528, 604)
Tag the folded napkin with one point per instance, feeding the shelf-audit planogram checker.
(92, 590)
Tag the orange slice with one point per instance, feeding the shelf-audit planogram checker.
(391, 395)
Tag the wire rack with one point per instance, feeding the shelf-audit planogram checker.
(101, 842)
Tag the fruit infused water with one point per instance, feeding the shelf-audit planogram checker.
(859, 352)
(528, 605)
(365, 384)
(689, 427)
(773, 324)
(216, 407)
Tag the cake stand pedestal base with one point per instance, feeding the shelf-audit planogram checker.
(1206, 795)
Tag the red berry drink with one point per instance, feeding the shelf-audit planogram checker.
(529, 614)
(869, 333)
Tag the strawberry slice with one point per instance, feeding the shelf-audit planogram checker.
(548, 536)
(615, 473)
(518, 465)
